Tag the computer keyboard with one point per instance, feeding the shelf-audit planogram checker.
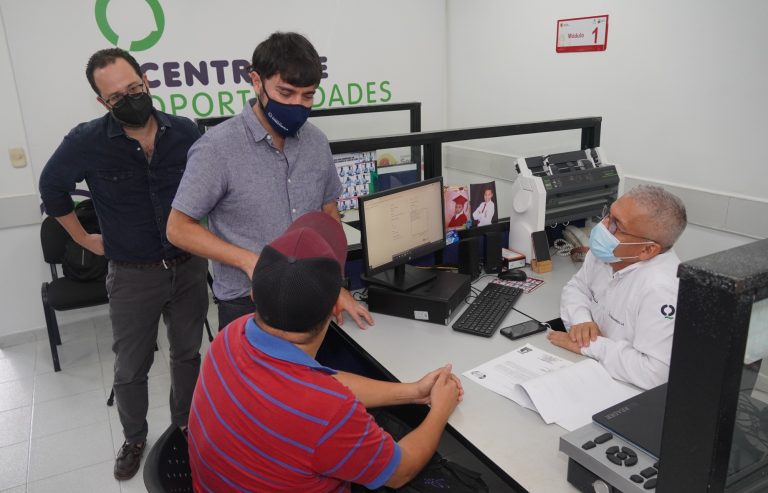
(485, 314)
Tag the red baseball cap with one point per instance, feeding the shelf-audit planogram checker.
(298, 276)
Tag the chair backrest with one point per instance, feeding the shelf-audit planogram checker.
(167, 468)
(53, 238)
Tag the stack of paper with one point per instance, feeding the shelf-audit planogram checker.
(562, 392)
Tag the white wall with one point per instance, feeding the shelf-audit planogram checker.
(49, 41)
(13, 181)
(21, 264)
(697, 241)
(681, 87)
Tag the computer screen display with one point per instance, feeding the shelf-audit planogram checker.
(399, 225)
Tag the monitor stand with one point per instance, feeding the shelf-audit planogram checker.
(401, 278)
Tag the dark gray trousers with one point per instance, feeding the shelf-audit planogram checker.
(233, 309)
(137, 299)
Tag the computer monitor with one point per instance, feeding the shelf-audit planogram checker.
(399, 225)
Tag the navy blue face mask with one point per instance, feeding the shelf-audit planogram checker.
(286, 119)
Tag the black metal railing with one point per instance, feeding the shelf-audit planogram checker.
(413, 109)
(432, 141)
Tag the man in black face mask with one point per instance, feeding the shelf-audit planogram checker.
(132, 159)
(254, 174)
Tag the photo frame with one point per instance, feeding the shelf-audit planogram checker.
(456, 208)
(483, 201)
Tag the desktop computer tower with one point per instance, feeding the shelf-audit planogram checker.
(434, 301)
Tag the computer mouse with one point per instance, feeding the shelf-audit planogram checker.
(513, 275)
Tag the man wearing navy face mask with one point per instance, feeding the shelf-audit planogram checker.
(620, 307)
(132, 159)
(254, 174)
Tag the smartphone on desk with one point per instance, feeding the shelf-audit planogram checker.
(523, 329)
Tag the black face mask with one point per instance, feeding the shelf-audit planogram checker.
(134, 110)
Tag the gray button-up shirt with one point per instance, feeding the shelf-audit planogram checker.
(251, 191)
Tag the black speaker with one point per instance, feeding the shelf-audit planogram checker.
(469, 256)
(493, 252)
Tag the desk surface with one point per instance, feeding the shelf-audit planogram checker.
(350, 216)
(514, 438)
(352, 234)
(543, 304)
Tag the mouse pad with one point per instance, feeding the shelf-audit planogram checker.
(527, 286)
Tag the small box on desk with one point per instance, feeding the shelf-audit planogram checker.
(434, 301)
(512, 259)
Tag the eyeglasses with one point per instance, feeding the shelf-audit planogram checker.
(613, 227)
(134, 91)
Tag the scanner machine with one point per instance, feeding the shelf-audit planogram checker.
(558, 188)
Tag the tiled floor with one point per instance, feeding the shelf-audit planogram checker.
(56, 431)
(58, 435)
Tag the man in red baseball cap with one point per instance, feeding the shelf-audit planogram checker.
(266, 416)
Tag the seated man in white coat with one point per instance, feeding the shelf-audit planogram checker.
(620, 307)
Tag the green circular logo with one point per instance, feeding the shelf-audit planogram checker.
(140, 44)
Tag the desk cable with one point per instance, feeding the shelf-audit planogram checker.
(474, 291)
(360, 295)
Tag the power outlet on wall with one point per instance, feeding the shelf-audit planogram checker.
(18, 157)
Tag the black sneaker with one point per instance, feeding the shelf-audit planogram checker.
(128, 460)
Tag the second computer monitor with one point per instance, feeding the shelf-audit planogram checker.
(399, 225)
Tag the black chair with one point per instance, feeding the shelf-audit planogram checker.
(166, 469)
(61, 294)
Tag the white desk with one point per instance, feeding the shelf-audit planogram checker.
(543, 303)
(352, 234)
(514, 438)
(350, 216)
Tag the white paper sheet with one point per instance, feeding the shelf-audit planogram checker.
(560, 391)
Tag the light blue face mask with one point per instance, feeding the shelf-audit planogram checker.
(602, 244)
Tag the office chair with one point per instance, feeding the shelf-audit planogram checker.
(61, 294)
(166, 468)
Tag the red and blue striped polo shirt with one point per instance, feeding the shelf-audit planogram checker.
(267, 417)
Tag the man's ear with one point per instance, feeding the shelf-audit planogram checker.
(649, 251)
(255, 80)
(103, 103)
(251, 294)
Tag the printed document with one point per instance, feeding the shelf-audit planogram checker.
(561, 391)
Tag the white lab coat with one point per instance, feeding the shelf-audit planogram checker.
(635, 311)
(484, 213)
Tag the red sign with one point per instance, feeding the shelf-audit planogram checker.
(582, 34)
